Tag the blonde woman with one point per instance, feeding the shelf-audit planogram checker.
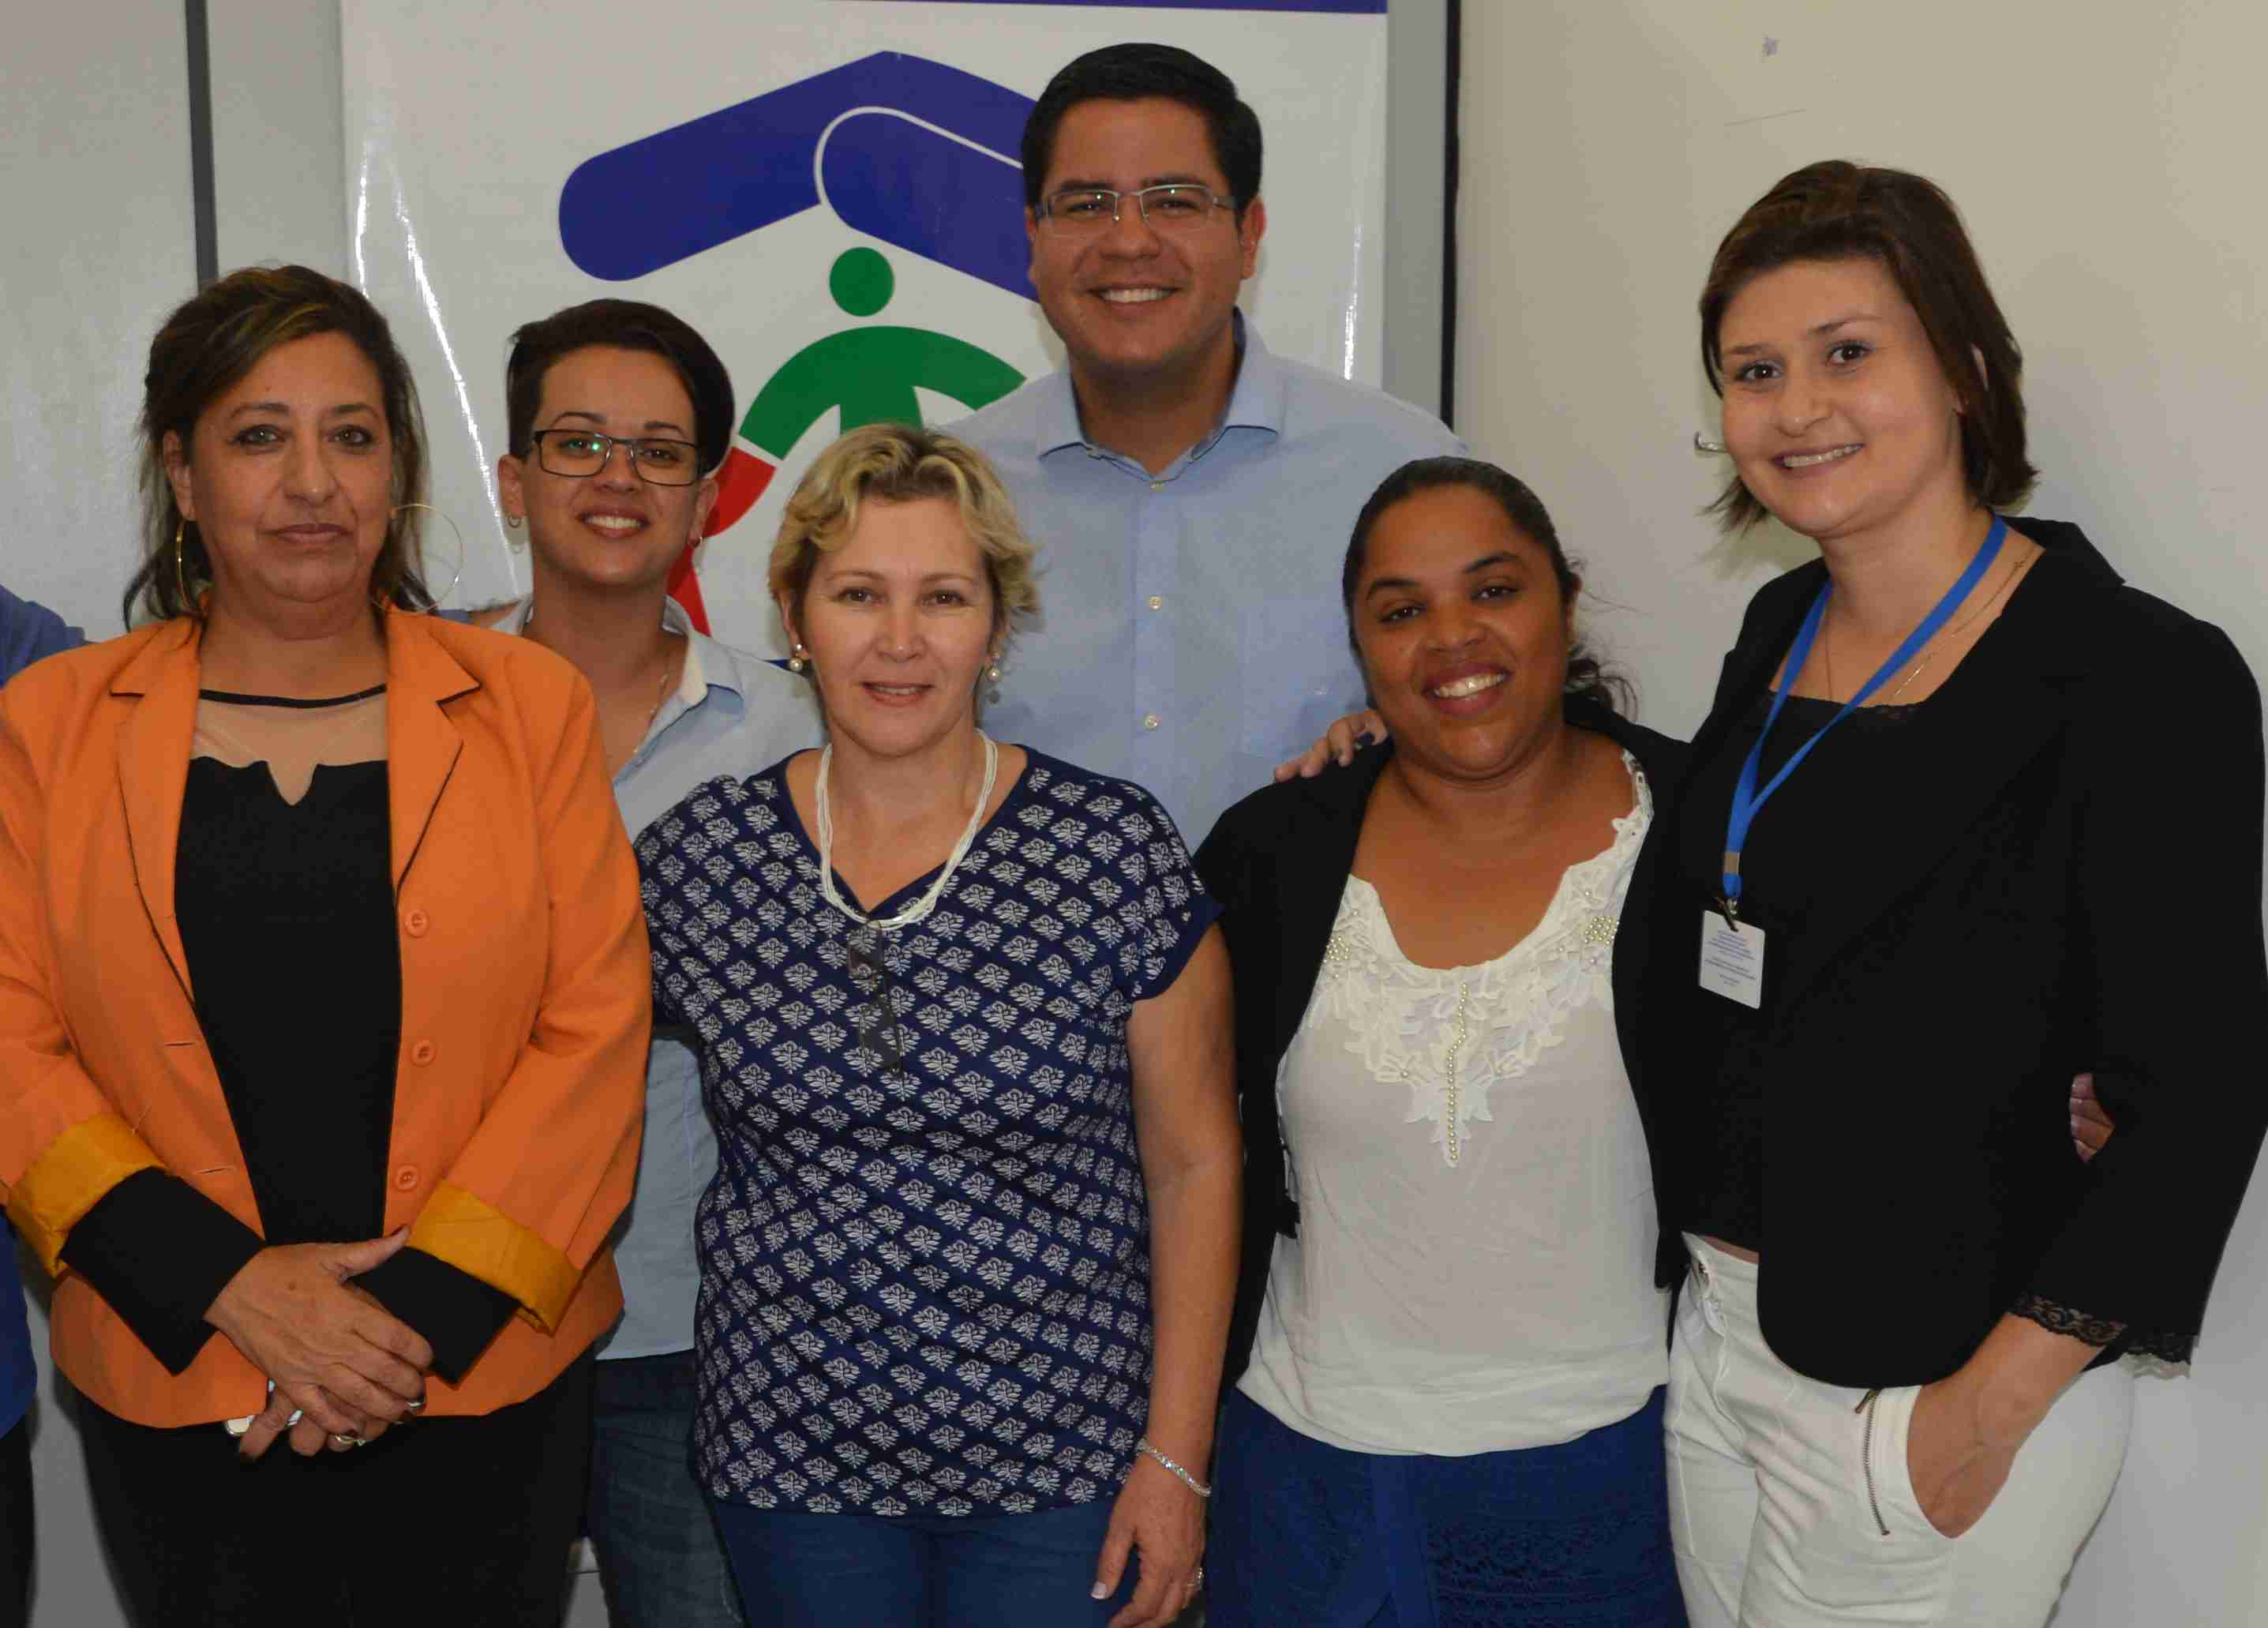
(964, 1027)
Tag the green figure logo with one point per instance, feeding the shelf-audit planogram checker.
(868, 374)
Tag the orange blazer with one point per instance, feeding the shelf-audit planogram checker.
(525, 993)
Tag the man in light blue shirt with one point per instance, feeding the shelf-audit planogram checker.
(1190, 492)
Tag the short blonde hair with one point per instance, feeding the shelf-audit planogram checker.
(904, 463)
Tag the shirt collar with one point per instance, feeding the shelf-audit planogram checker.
(692, 680)
(1256, 402)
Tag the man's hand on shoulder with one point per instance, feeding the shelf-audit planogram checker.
(1337, 744)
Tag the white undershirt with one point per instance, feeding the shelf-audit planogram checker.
(1474, 1269)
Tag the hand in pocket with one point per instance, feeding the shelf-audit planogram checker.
(1955, 1469)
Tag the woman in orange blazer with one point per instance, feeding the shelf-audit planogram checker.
(323, 1016)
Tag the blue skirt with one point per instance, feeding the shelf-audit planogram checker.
(1570, 1537)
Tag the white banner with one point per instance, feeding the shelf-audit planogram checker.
(828, 189)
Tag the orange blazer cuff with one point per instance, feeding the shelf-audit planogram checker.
(473, 1235)
(66, 1181)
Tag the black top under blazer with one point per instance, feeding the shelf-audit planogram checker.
(1278, 862)
(2077, 884)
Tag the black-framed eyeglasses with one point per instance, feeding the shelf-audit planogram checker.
(875, 1018)
(580, 453)
(1177, 206)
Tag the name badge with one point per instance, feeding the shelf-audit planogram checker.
(1733, 959)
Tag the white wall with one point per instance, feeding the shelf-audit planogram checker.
(96, 192)
(2106, 159)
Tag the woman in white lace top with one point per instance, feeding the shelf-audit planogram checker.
(1450, 1346)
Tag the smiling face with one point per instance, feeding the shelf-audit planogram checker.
(1131, 302)
(1464, 632)
(898, 622)
(288, 476)
(615, 529)
(1837, 415)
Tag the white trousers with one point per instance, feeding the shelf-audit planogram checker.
(1790, 1505)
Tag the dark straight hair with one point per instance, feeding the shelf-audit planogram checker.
(207, 345)
(620, 325)
(1131, 73)
(1906, 225)
(1587, 676)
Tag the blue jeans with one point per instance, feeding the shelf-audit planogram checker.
(1576, 1535)
(659, 1555)
(1031, 1571)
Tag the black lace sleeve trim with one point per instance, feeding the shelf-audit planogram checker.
(2064, 1320)
(2171, 1345)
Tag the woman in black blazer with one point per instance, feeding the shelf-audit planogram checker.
(1447, 1361)
(2022, 835)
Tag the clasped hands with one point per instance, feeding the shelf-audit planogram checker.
(347, 1366)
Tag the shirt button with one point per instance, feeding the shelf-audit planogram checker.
(406, 1178)
(414, 923)
(1157, 602)
(1149, 720)
(422, 1052)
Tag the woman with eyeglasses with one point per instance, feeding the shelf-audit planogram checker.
(322, 1015)
(619, 416)
(963, 1023)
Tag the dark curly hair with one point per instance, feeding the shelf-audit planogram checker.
(1586, 675)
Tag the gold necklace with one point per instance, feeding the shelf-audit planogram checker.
(1827, 636)
(672, 669)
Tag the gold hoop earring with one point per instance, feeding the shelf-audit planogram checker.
(459, 571)
(180, 574)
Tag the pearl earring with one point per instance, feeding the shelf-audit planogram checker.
(797, 659)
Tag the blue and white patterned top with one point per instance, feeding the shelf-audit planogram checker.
(924, 1260)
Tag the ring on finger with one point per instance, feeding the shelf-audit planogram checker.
(339, 1440)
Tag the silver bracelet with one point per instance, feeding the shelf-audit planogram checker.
(1183, 1475)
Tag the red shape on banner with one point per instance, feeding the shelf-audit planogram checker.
(739, 485)
(685, 588)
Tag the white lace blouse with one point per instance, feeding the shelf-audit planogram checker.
(1474, 1269)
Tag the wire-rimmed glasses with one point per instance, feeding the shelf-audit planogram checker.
(579, 454)
(1175, 206)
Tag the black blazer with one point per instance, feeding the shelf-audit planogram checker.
(1278, 862)
(2078, 886)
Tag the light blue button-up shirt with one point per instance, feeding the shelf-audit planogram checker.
(733, 714)
(1190, 635)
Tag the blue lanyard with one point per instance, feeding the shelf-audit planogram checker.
(1746, 798)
